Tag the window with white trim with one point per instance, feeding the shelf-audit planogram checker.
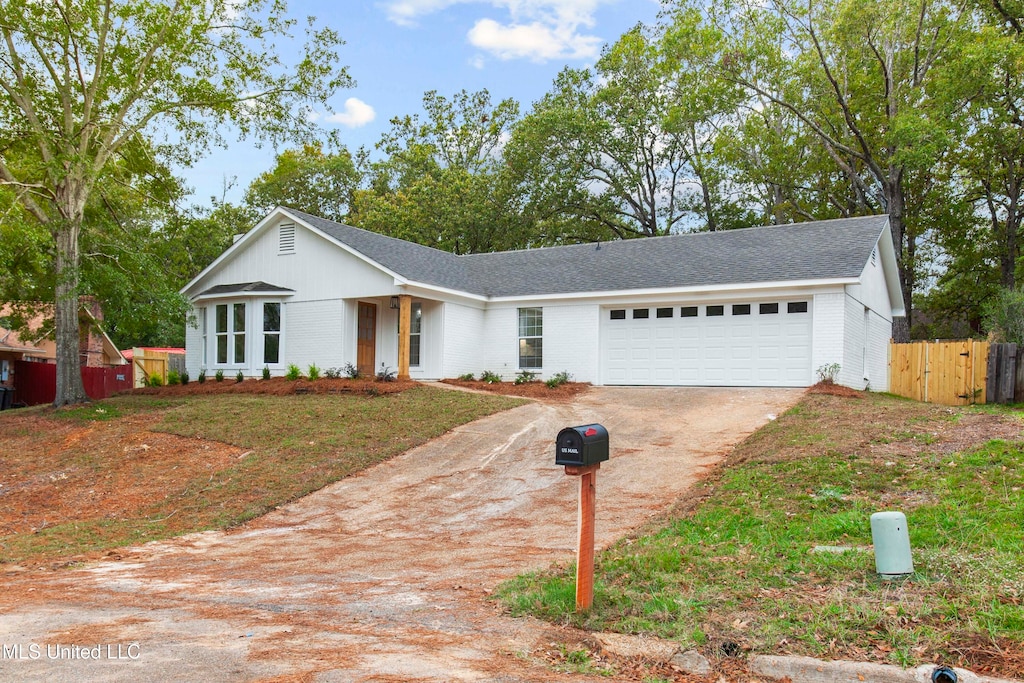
(271, 332)
(415, 334)
(531, 338)
(229, 331)
(203, 323)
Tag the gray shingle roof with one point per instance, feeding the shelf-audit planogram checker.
(816, 250)
(242, 287)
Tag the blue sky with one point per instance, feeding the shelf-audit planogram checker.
(398, 49)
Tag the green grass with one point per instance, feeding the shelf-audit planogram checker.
(738, 566)
(292, 445)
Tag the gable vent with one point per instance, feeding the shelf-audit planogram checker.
(874, 256)
(286, 239)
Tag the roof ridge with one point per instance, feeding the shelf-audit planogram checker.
(678, 235)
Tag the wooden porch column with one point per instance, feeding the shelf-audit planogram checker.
(404, 328)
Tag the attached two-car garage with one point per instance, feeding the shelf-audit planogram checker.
(748, 343)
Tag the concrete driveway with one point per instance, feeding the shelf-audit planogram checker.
(383, 576)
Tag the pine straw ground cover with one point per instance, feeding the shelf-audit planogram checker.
(734, 569)
(75, 483)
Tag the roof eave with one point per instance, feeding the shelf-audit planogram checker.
(199, 298)
(683, 291)
(890, 268)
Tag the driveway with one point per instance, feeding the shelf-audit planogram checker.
(383, 576)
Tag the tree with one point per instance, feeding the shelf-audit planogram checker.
(856, 73)
(85, 83)
(307, 179)
(440, 184)
(595, 151)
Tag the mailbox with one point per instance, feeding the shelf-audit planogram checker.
(581, 446)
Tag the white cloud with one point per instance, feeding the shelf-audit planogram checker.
(478, 62)
(357, 113)
(534, 41)
(537, 30)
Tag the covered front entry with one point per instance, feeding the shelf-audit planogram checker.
(749, 343)
(366, 346)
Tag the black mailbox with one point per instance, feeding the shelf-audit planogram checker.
(580, 446)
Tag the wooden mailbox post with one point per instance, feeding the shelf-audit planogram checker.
(582, 450)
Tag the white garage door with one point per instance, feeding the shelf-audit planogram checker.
(761, 343)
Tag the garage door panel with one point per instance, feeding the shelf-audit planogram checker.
(771, 349)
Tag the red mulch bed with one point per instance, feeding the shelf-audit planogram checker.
(538, 390)
(833, 389)
(280, 386)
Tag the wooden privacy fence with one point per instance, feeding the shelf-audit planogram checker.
(36, 383)
(1005, 373)
(951, 373)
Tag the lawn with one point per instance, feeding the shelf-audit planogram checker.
(738, 566)
(78, 482)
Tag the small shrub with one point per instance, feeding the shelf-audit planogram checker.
(202, 377)
(828, 373)
(332, 373)
(219, 376)
(266, 372)
(558, 379)
(155, 381)
(294, 372)
(490, 377)
(313, 373)
(468, 377)
(351, 371)
(184, 377)
(525, 376)
(239, 377)
(386, 374)
(173, 378)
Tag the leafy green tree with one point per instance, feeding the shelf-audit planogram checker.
(85, 83)
(855, 73)
(307, 179)
(1004, 316)
(596, 153)
(440, 183)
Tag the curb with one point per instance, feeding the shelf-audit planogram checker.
(810, 670)
(796, 669)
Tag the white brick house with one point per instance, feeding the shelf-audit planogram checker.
(756, 307)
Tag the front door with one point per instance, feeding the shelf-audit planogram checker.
(367, 345)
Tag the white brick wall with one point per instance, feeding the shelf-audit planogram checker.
(571, 339)
(500, 341)
(829, 317)
(854, 366)
(314, 334)
(463, 335)
(193, 345)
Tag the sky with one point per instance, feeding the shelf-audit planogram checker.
(396, 50)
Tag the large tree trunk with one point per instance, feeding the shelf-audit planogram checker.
(904, 252)
(70, 389)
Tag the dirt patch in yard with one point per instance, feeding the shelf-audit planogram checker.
(43, 493)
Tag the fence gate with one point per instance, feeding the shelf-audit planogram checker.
(147, 364)
(951, 373)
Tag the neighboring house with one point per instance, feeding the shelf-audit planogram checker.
(13, 349)
(755, 307)
(96, 348)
